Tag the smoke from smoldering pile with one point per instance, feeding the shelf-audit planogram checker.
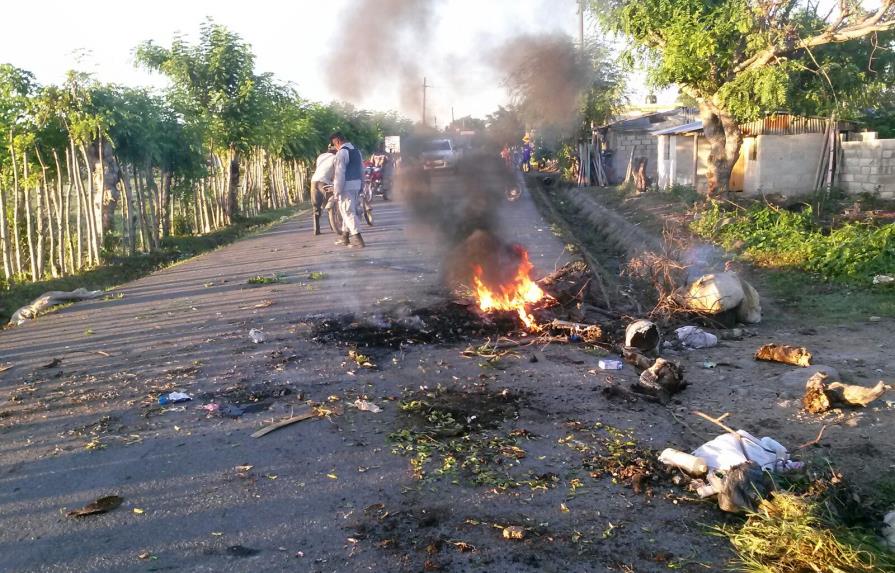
(381, 43)
(388, 45)
(546, 76)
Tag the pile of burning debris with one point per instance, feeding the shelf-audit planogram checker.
(557, 307)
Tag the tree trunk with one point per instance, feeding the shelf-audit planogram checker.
(16, 237)
(4, 239)
(94, 197)
(43, 208)
(60, 212)
(165, 204)
(107, 166)
(725, 138)
(233, 192)
(74, 175)
(129, 215)
(145, 242)
(152, 209)
(29, 226)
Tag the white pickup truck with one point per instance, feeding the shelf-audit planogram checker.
(440, 154)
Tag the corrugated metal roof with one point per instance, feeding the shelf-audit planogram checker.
(679, 129)
(789, 124)
(650, 121)
(775, 124)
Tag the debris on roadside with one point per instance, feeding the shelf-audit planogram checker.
(174, 398)
(734, 449)
(889, 529)
(643, 335)
(100, 505)
(362, 360)
(741, 488)
(587, 332)
(50, 299)
(366, 406)
(821, 395)
(6, 366)
(693, 465)
(609, 364)
(717, 293)
(883, 280)
(306, 415)
(795, 355)
(514, 532)
(660, 378)
(695, 337)
(257, 336)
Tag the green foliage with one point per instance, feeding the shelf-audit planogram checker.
(686, 194)
(778, 238)
(706, 48)
(794, 533)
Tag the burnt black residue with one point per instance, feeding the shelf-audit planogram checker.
(443, 323)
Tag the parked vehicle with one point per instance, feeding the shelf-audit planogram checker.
(439, 154)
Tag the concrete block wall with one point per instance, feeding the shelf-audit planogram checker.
(868, 166)
(786, 163)
(622, 142)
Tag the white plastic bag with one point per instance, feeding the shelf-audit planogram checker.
(695, 337)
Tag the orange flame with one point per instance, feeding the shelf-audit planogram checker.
(521, 291)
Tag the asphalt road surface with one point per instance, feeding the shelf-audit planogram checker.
(88, 424)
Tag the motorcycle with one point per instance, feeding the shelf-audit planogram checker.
(374, 182)
(364, 208)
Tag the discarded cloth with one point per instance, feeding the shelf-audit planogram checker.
(727, 451)
(695, 337)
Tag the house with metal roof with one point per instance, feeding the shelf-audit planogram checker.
(781, 153)
(630, 139)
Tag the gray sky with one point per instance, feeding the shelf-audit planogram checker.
(289, 39)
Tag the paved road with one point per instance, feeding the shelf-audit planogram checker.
(88, 426)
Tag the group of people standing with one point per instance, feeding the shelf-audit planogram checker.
(342, 168)
(518, 155)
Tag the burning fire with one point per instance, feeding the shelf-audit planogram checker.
(515, 295)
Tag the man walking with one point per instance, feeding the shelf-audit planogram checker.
(348, 180)
(323, 176)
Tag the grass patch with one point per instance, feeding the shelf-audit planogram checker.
(777, 238)
(829, 302)
(263, 280)
(790, 533)
(316, 276)
(119, 270)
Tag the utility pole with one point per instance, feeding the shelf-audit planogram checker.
(425, 85)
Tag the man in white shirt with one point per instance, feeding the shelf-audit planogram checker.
(323, 175)
(348, 181)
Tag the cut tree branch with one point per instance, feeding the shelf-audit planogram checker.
(879, 21)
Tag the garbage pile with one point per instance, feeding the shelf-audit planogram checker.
(736, 467)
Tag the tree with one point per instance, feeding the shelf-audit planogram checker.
(214, 84)
(505, 126)
(741, 58)
(467, 123)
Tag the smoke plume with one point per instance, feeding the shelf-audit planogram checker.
(545, 75)
(381, 46)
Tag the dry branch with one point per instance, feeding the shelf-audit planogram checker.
(48, 300)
